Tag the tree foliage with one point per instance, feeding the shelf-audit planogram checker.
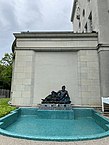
(6, 71)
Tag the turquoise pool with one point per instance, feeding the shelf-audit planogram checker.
(55, 125)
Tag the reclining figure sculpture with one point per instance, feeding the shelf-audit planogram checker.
(60, 97)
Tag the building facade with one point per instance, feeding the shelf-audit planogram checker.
(45, 61)
(93, 16)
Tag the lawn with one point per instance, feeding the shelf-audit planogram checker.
(5, 108)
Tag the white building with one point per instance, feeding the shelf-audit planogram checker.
(92, 15)
(44, 61)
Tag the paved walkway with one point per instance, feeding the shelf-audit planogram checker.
(15, 141)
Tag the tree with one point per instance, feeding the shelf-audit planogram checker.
(6, 71)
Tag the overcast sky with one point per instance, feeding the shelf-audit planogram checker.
(32, 15)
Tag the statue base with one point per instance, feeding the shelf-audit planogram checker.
(55, 106)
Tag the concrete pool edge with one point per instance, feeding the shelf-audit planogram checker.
(56, 138)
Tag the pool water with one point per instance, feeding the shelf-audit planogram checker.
(30, 125)
(66, 125)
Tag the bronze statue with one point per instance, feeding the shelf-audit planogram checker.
(60, 97)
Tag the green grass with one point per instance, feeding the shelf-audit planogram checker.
(5, 108)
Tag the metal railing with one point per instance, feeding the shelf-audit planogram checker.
(4, 93)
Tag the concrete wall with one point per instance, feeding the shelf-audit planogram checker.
(88, 71)
(46, 61)
(104, 70)
(22, 84)
(53, 70)
(103, 17)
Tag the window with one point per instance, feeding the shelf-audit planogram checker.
(90, 22)
(79, 29)
(78, 13)
(85, 28)
(79, 24)
(83, 12)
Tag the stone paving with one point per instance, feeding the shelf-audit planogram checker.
(15, 141)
